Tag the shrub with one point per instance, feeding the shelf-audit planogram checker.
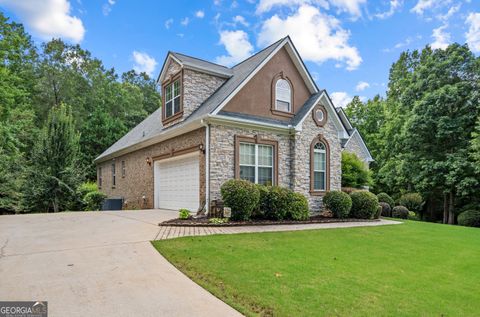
(364, 204)
(469, 218)
(241, 196)
(277, 203)
(378, 213)
(298, 207)
(183, 213)
(386, 209)
(385, 198)
(338, 202)
(400, 212)
(94, 200)
(412, 215)
(259, 211)
(412, 201)
(217, 221)
(354, 172)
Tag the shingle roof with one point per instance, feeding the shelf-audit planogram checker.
(202, 64)
(152, 125)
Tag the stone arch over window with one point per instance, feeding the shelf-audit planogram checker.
(282, 95)
(319, 166)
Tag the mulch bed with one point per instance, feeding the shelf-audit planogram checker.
(203, 222)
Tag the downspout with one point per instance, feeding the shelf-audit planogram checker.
(207, 165)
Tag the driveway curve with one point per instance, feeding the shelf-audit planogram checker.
(97, 263)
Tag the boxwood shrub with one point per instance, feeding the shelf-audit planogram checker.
(400, 212)
(259, 211)
(412, 201)
(94, 200)
(277, 203)
(364, 204)
(338, 202)
(469, 218)
(298, 207)
(385, 198)
(241, 196)
(386, 209)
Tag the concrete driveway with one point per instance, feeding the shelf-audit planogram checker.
(97, 263)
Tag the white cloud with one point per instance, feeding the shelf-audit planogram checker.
(217, 2)
(362, 85)
(422, 5)
(143, 63)
(395, 5)
(185, 21)
(237, 46)
(319, 37)
(48, 18)
(107, 7)
(241, 20)
(441, 38)
(473, 34)
(449, 13)
(353, 7)
(340, 98)
(200, 14)
(168, 23)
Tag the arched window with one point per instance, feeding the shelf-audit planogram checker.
(283, 96)
(319, 166)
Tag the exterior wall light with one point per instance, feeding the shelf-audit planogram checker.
(149, 161)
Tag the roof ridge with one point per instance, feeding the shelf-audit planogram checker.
(264, 49)
(197, 58)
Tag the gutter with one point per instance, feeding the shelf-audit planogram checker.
(207, 165)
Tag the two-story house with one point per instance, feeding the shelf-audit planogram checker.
(263, 120)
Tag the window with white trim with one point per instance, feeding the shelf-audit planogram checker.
(256, 163)
(283, 96)
(172, 98)
(319, 166)
(114, 176)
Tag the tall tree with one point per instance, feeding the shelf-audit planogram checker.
(55, 173)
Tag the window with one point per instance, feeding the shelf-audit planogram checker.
(283, 96)
(123, 169)
(256, 162)
(319, 115)
(100, 179)
(172, 99)
(319, 166)
(114, 180)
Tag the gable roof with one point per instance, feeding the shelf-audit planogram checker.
(356, 134)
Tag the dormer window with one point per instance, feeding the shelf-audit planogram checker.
(172, 99)
(283, 96)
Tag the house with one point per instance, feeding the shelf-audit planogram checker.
(264, 120)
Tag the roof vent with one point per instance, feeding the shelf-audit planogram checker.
(143, 134)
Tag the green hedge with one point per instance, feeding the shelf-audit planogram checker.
(469, 218)
(386, 209)
(400, 212)
(241, 196)
(385, 198)
(412, 201)
(298, 207)
(339, 203)
(364, 204)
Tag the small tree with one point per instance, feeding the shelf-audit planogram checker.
(54, 173)
(354, 172)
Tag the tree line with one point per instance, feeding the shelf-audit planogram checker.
(425, 134)
(60, 107)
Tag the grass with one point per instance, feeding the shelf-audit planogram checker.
(413, 269)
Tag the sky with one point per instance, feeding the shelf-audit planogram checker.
(347, 45)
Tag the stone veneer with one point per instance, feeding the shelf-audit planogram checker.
(354, 146)
(294, 157)
(138, 180)
(197, 87)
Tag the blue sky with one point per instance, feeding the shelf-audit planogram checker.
(348, 45)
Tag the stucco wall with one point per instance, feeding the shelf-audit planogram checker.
(138, 181)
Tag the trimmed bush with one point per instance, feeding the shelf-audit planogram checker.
(183, 213)
(93, 200)
(378, 213)
(338, 202)
(298, 207)
(469, 218)
(412, 215)
(364, 204)
(241, 196)
(386, 209)
(412, 201)
(400, 212)
(385, 198)
(277, 203)
(259, 211)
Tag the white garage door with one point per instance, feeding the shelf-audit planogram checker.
(177, 182)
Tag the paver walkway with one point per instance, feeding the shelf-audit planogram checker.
(170, 232)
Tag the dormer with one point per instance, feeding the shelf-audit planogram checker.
(186, 82)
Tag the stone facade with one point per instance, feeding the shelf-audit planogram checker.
(196, 88)
(293, 151)
(136, 187)
(354, 146)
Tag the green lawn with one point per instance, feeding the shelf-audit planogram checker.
(413, 269)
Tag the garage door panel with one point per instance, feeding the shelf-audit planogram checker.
(178, 183)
